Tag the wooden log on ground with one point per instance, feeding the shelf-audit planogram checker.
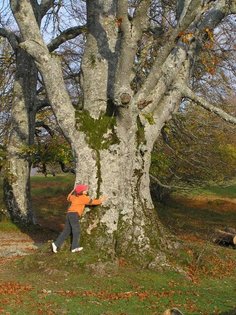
(226, 237)
(230, 230)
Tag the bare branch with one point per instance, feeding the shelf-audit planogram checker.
(155, 179)
(187, 92)
(122, 16)
(68, 34)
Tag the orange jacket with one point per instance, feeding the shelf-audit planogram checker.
(78, 203)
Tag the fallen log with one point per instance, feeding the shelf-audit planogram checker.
(226, 237)
(230, 230)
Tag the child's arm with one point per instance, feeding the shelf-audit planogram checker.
(68, 197)
(95, 202)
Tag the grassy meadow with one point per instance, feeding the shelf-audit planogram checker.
(201, 279)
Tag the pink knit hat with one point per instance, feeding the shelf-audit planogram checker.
(81, 188)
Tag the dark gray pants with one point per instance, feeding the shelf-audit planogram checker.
(72, 226)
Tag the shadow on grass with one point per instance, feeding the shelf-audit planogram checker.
(49, 204)
(38, 234)
(231, 312)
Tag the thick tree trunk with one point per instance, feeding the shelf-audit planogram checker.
(127, 225)
(17, 172)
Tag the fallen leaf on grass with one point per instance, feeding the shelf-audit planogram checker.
(14, 288)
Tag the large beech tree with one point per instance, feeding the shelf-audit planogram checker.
(135, 71)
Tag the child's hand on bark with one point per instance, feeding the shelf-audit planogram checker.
(103, 198)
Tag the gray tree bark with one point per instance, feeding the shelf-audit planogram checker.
(17, 171)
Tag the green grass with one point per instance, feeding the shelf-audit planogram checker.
(49, 194)
(227, 190)
(224, 191)
(66, 283)
(51, 185)
(193, 220)
(60, 283)
(7, 226)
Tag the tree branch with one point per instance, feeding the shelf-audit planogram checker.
(155, 179)
(129, 32)
(45, 6)
(233, 7)
(11, 37)
(187, 92)
(122, 16)
(40, 104)
(39, 124)
(190, 13)
(169, 71)
(141, 19)
(215, 15)
(70, 33)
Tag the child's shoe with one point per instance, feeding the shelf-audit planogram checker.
(54, 248)
(78, 249)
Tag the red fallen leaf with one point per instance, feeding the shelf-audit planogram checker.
(122, 262)
(143, 295)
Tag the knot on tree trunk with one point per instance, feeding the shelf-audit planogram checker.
(125, 98)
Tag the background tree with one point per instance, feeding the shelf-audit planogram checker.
(135, 71)
(7, 67)
(51, 153)
(196, 147)
(26, 97)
